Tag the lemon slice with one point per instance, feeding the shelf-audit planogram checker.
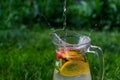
(77, 57)
(69, 53)
(74, 68)
(73, 55)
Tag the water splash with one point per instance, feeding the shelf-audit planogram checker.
(64, 14)
(46, 20)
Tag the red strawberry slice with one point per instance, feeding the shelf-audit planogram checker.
(59, 56)
(61, 53)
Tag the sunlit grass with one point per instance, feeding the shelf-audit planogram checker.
(30, 55)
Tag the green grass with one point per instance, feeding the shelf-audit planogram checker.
(30, 55)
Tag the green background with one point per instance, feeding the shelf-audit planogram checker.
(26, 49)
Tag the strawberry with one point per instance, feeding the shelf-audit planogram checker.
(59, 56)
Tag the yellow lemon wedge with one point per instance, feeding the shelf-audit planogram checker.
(69, 53)
(73, 55)
(74, 68)
(77, 57)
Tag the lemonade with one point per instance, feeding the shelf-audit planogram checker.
(71, 65)
(72, 57)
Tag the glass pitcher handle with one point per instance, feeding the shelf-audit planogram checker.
(99, 53)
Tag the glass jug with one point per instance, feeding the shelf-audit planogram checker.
(72, 63)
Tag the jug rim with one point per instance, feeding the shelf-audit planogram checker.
(55, 32)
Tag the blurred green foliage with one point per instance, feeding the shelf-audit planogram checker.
(97, 14)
